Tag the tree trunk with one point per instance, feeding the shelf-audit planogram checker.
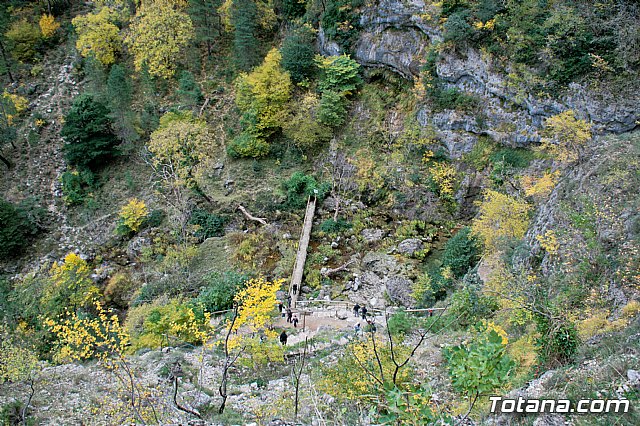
(7, 162)
(6, 62)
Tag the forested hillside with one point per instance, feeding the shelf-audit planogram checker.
(469, 171)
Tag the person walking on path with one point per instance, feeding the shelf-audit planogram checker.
(295, 288)
(288, 300)
(364, 312)
(280, 306)
(283, 338)
(358, 329)
(289, 314)
(356, 310)
(295, 322)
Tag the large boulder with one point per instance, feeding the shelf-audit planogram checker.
(399, 291)
(410, 246)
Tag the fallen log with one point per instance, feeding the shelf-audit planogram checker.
(329, 272)
(251, 217)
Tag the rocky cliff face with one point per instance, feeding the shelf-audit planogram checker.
(396, 35)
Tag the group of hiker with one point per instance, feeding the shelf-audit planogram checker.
(288, 313)
(360, 311)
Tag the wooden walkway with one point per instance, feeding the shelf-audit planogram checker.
(301, 255)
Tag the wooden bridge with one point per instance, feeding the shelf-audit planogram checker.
(301, 255)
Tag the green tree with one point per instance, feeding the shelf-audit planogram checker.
(298, 53)
(17, 227)
(293, 9)
(206, 22)
(87, 132)
(461, 252)
(456, 28)
(98, 35)
(23, 37)
(119, 97)
(332, 110)
(158, 36)
(5, 19)
(246, 46)
(189, 90)
(338, 73)
(304, 126)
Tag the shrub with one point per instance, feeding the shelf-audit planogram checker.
(470, 306)
(247, 145)
(401, 323)
(304, 127)
(481, 366)
(207, 224)
(23, 36)
(132, 216)
(119, 290)
(298, 53)
(220, 289)
(331, 226)
(513, 157)
(48, 25)
(154, 219)
(151, 326)
(461, 252)
(451, 98)
(557, 342)
(299, 187)
(90, 141)
(456, 28)
(77, 185)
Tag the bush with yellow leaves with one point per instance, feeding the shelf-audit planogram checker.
(132, 216)
(69, 285)
(48, 25)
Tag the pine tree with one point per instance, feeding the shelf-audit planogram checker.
(246, 47)
(87, 130)
(206, 22)
(188, 90)
(119, 97)
(298, 53)
(5, 65)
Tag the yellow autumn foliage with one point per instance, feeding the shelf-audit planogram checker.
(445, 177)
(179, 145)
(133, 214)
(349, 380)
(48, 25)
(540, 187)
(265, 92)
(15, 105)
(81, 338)
(158, 35)
(98, 35)
(70, 284)
(501, 216)
(565, 136)
(256, 304)
(549, 242)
